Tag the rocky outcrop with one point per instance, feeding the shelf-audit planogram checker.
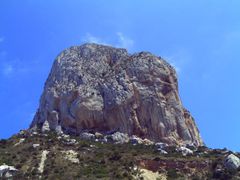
(7, 171)
(104, 89)
(232, 162)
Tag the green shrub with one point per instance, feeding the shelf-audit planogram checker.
(173, 174)
(115, 156)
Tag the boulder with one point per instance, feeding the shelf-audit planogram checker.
(191, 146)
(117, 137)
(71, 141)
(36, 145)
(22, 132)
(147, 142)
(161, 145)
(161, 151)
(185, 151)
(232, 162)
(65, 136)
(7, 171)
(99, 135)
(135, 140)
(45, 127)
(87, 136)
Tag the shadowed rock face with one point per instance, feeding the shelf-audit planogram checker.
(101, 88)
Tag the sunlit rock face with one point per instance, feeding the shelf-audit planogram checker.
(101, 88)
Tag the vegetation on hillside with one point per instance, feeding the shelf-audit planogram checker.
(107, 161)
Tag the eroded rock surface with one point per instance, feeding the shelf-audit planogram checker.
(105, 89)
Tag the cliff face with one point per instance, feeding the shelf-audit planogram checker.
(101, 88)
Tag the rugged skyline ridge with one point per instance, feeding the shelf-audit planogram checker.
(105, 89)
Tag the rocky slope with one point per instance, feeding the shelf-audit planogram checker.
(53, 156)
(98, 88)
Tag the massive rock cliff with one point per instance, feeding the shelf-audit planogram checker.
(100, 88)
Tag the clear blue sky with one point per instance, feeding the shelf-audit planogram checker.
(200, 38)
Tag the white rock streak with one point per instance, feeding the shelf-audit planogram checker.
(43, 159)
(20, 141)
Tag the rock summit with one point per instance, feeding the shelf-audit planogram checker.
(98, 88)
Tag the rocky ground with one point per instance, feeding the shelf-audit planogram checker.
(32, 155)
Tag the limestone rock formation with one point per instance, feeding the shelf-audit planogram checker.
(104, 89)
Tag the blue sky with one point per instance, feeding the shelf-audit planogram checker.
(200, 38)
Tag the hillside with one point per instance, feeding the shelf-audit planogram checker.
(75, 158)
